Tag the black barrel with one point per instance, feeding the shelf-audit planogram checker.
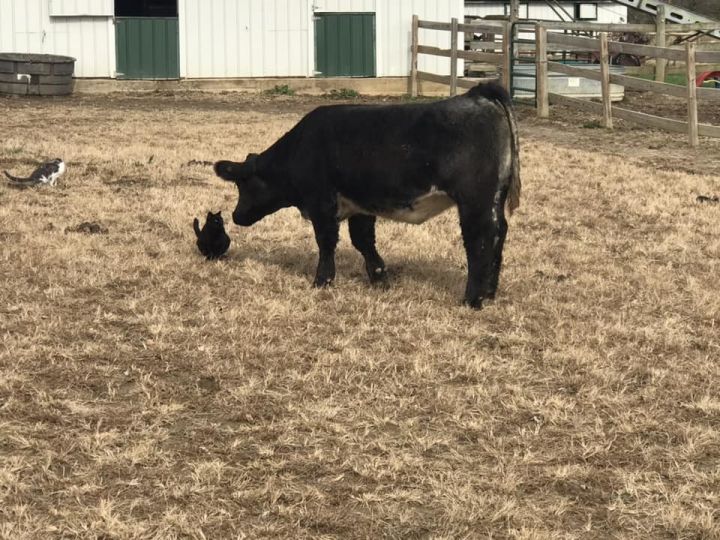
(36, 74)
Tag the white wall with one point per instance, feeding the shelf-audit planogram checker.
(607, 11)
(244, 38)
(275, 38)
(27, 27)
(226, 38)
(77, 8)
(394, 22)
(344, 6)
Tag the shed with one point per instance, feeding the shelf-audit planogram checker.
(170, 39)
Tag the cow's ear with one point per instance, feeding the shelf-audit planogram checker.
(231, 171)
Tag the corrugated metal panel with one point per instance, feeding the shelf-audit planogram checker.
(394, 21)
(244, 38)
(612, 13)
(274, 38)
(344, 6)
(147, 48)
(345, 44)
(26, 27)
(75, 8)
(607, 12)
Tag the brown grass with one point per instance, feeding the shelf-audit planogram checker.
(147, 393)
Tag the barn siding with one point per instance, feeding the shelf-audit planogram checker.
(607, 12)
(76, 8)
(275, 38)
(227, 38)
(394, 34)
(346, 6)
(244, 38)
(27, 27)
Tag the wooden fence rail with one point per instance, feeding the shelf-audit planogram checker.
(454, 54)
(615, 27)
(689, 55)
(555, 41)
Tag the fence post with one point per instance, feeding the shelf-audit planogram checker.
(660, 63)
(453, 56)
(514, 10)
(541, 72)
(414, 58)
(692, 95)
(605, 80)
(507, 57)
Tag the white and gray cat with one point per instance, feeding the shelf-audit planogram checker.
(47, 173)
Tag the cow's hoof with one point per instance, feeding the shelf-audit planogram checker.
(321, 282)
(378, 276)
(474, 304)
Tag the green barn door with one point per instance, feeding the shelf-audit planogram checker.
(345, 44)
(147, 48)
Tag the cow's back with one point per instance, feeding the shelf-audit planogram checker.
(382, 156)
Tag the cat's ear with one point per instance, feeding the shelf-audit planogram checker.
(209, 216)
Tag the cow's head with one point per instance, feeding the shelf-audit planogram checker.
(256, 198)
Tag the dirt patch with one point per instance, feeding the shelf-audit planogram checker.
(670, 106)
(660, 150)
(201, 163)
(705, 199)
(129, 181)
(88, 227)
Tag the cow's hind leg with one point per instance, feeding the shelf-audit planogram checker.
(499, 240)
(479, 232)
(326, 228)
(362, 234)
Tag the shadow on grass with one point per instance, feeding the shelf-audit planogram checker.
(301, 262)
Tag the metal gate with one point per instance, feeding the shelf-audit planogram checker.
(517, 59)
(345, 44)
(147, 48)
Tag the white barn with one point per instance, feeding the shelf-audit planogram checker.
(170, 39)
(601, 11)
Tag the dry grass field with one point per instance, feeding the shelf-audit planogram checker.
(147, 393)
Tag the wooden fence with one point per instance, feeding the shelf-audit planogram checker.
(553, 41)
(454, 27)
(689, 55)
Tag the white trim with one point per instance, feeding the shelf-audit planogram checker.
(112, 48)
(379, 44)
(182, 38)
(311, 39)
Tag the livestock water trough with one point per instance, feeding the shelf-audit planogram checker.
(559, 83)
(36, 74)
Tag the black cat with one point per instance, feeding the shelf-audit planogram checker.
(212, 240)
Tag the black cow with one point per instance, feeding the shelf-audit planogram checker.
(405, 162)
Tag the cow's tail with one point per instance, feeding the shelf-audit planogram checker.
(196, 226)
(495, 92)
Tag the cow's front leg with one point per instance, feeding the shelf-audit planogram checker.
(362, 234)
(479, 232)
(326, 234)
